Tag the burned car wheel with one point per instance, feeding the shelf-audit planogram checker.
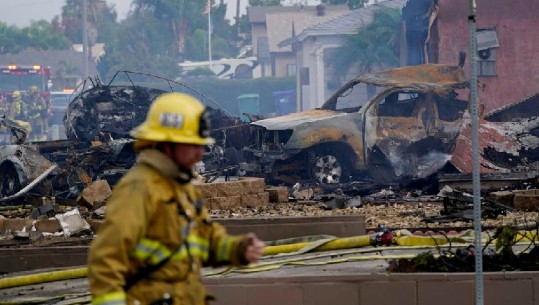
(328, 169)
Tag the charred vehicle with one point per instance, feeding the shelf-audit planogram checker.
(415, 127)
(405, 131)
(97, 124)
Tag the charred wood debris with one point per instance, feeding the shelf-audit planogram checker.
(98, 147)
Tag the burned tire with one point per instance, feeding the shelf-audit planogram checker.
(328, 168)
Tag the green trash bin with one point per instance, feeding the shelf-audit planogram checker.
(248, 103)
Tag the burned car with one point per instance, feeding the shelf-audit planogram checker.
(405, 131)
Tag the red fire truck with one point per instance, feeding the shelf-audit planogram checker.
(22, 77)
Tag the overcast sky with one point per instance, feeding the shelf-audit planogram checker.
(21, 12)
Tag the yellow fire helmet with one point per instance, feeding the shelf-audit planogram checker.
(177, 118)
(16, 94)
(33, 89)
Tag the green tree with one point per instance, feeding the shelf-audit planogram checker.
(184, 19)
(140, 48)
(160, 33)
(177, 15)
(197, 45)
(40, 35)
(101, 21)
(10, 39)
(374, 46)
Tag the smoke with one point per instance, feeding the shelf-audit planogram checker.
(420, 166)
(431, 163)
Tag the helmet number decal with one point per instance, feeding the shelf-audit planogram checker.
(172, 120)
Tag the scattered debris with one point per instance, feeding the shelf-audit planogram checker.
(300, 192)
(46, 211)
(98, 121)
(458, 205)
(19, 132)
(95, 195)
(73, 224)
(20, 166)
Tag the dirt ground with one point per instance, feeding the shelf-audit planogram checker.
(392, 214)
(409, 215)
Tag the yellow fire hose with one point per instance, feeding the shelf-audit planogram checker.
(335, 244)
(44, 277)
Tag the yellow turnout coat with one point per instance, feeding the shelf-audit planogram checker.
(149, 216)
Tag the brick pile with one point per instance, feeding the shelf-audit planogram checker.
(527, 200)
(245, 192)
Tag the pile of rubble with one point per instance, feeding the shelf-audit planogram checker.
(251, 197)
(98, 145)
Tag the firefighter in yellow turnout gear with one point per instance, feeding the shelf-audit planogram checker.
(36, 112)
(17, 112)
(157, 234)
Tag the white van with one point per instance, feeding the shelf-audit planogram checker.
(59, 102)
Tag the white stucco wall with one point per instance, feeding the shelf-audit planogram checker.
(313, 56)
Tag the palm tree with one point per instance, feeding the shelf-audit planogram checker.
(374, 46)
(181, 16)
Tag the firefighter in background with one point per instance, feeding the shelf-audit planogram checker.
(4, 112)
(157, 233)
(4, 105)
(37, 112)
(17, 109)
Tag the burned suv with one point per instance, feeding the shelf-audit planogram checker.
(406, 129)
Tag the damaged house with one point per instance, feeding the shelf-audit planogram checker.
(431, 31)
(436, 31)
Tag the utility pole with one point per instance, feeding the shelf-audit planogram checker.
(209, 35)
(85, 37)
(475, 155)
(238, 17)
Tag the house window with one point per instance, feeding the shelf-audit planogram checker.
(487, 43)
(291, 69)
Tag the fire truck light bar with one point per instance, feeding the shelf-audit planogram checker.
(15, 67)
